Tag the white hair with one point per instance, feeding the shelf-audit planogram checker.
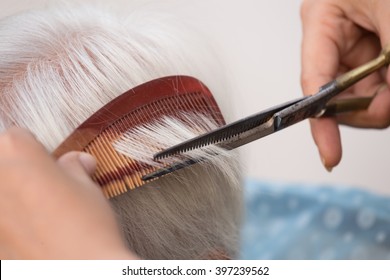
(59, 67)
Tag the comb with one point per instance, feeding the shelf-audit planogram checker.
(168, 96)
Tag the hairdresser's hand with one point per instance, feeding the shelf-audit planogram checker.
(339, 35)
(52, 210)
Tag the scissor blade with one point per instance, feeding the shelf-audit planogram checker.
(232, 143)
(232, 135)
(169, 169)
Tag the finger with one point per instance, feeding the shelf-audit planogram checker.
(380, 14)
(376, 116)
(326, 135)
(21, 132)
(320, 64)
(320, 54)
(366, 49)
(19, 142)
(79, 164)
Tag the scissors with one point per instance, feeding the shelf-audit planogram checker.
(276, 118)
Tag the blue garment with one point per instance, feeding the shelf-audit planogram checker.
(314, 222)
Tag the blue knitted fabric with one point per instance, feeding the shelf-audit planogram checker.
(314, 222)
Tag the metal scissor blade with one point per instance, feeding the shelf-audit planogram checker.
(169, 169)
(269, 127)
(232, 135)
(232, 143)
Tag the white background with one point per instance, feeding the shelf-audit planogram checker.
(278, 270)
(259, 41)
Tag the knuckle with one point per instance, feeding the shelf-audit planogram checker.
(303, 9)
(306, 8)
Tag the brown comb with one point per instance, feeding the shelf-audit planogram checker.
(169, 96)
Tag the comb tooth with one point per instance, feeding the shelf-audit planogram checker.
(118, 187)
(122, 186)
(126, 187)
(133, 181)
(197, 100)
(129, 183)
(192, 102)
(109, 191)
(122, 128)
(109, 167)
(115, 188)
(99, 173)
(110, 187)
(138, 180)
(99, 176)
(165, 104)
(115, 159)
(105, 192)
(101, 166)
(106, 140)
(127, 122)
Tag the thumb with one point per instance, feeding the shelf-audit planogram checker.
(79, 164)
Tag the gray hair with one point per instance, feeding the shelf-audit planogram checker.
(58, 67)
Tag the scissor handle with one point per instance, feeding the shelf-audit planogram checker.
(350, 78)
(315, 104)
(345, 105)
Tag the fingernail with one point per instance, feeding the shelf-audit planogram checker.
(88, 162)
(328, 168)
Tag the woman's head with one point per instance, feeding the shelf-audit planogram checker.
(59, 67)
